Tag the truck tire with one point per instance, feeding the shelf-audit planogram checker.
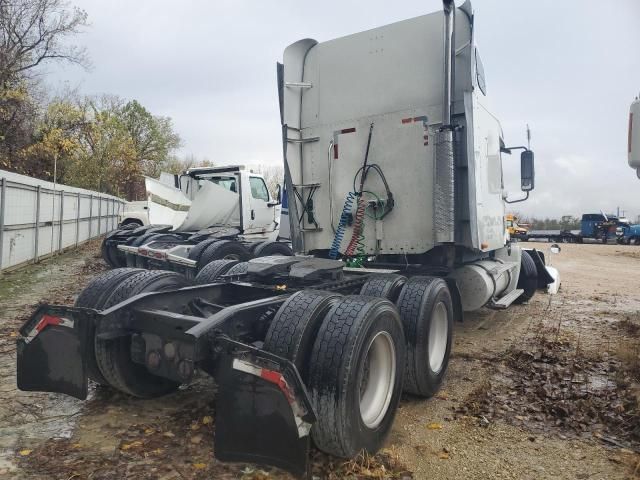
(384, 286)
(224, 249)
(294, 327)
(114, 356)
(356, 371)
(634, 240)
(426, 309)
(136, 260)
(196, 251)
(110, 254)
(264, 249)
(528, 278)
(252, 248)
(211, 271)
(238, 269)
(93, 296)
(131, 225)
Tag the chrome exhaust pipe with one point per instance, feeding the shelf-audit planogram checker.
(449, 8)
(444, 208)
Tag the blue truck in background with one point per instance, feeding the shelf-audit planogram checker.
(630, 235)
(593, 226)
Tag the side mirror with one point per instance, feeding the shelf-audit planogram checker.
(278, 199)
(279, 194)
(527, 171)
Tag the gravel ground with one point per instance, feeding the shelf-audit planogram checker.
(478, 426)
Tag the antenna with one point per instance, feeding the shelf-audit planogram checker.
(528, 137)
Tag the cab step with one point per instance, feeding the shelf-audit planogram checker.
(507, 300)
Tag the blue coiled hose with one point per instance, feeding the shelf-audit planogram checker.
(344, 216)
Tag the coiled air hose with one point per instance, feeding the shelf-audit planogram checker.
(339, 235)
(355, 251)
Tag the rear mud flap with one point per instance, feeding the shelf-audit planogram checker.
(51, 352)
(263, 414)
(544, 278)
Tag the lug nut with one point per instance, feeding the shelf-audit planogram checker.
(185, 369)
(153, 359)
(170, 350)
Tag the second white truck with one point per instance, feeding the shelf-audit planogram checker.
(205, 214)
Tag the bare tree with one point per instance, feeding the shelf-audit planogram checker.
(273, 175)
(32, 33)
(36, 31)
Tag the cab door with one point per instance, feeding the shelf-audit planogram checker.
(261, 209)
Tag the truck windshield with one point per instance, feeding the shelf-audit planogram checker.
(228, 183)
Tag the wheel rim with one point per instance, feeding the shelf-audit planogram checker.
(232, 256)
(378, 379)
(438, 333)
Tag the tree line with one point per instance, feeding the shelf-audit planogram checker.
(102, 143)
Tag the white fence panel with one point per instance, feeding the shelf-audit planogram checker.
(39, 219)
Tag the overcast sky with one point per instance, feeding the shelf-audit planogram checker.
(568, 68)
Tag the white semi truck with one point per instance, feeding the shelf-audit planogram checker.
(634, 136)
(393, 163)
(135, 213)
(228, 206)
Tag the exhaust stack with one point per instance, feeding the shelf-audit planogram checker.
(444, 212)
(449, 8)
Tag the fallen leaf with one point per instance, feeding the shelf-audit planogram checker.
(25, 452)
(195, 426)
(169, 434)
(199, 466)
(443, 456)
(149, 431)
(207, 420)
(434, 426)
(196, 439)
(127, 446)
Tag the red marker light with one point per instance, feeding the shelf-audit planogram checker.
(277, 379)
(47, 320)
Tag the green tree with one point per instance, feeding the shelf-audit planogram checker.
(32, 33)
(153, 137)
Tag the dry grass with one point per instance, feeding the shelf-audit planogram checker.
(386, 464)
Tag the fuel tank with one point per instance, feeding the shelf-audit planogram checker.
(481, 281)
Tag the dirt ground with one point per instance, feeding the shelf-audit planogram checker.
(543, 390)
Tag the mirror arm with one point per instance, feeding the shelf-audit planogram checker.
(518, 200)
(508, 149)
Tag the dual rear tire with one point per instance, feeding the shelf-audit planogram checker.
(426, 309)
(349, 352)
(109, 361)
(356, 353)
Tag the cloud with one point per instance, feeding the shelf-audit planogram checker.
(569, 69)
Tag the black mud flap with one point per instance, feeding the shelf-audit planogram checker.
(544, 278)
(51, 352)
(263, 413)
